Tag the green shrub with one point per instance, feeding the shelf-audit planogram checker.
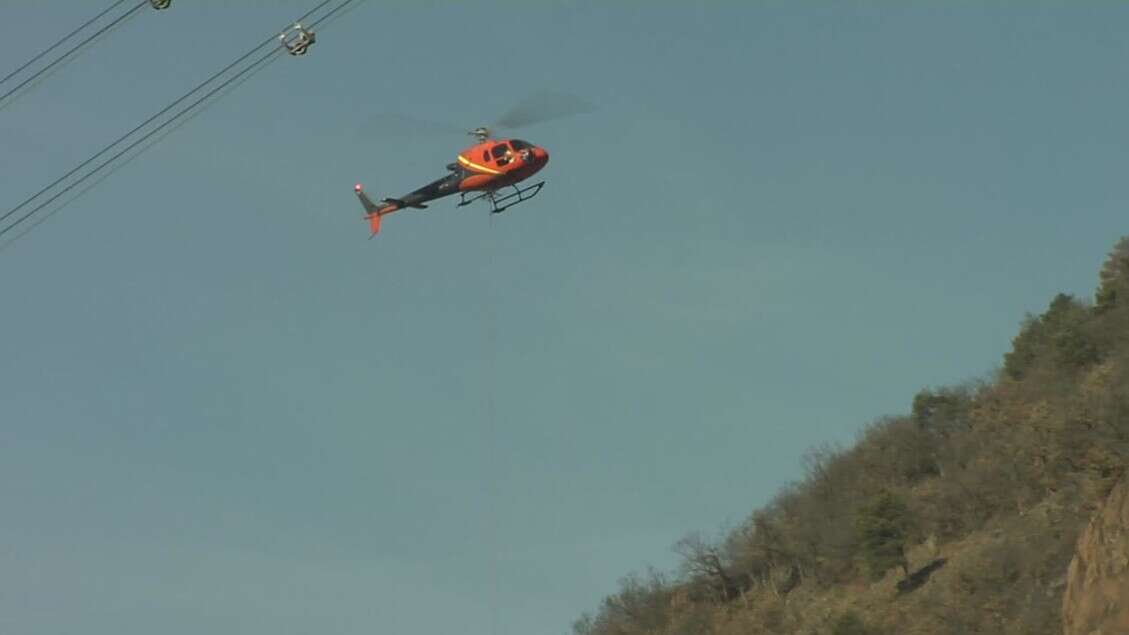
(849, 623)
(883, 525)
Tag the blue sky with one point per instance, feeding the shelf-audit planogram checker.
(223, 409)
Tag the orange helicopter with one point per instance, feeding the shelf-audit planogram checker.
(489, 170)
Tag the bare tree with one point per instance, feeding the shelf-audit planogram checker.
(705, 562)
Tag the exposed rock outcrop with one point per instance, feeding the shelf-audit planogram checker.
(1096, 601)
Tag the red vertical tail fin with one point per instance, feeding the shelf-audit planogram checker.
(372, 210)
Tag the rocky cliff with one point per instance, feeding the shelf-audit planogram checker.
(1096, 601)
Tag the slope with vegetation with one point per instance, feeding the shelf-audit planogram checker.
(960, 517)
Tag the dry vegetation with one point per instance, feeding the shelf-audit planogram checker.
(960, 517)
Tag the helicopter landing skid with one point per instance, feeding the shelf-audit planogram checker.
(499, 204)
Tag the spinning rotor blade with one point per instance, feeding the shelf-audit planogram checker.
(398, 125)
(543, 106)
(537, 108)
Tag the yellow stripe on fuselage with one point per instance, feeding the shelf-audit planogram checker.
(474, 166)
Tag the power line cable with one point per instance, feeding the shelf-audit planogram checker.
(60, 42)
(223, 88)
(63, 63)
(329, 15)
(74, 48)
(238, 78)
(139, 141)
(150, 120)
(45, 217)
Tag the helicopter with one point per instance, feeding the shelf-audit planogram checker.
(490, 170)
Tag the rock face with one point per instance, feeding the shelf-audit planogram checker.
(1096, 601)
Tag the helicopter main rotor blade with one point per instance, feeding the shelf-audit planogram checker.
(386, 124)
(543, 106)
(537, 108)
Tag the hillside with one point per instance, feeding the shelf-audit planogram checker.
(962, 516)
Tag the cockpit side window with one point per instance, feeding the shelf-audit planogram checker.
(486, 155)
(499, 150)
(518, 144)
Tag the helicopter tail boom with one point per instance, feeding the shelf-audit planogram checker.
(373, 211)
(401, 204)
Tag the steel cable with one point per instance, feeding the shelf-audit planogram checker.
(139, 141)
(150, 120)
(236, 79)
(60, 42)
(45, 217)
(327, 17)
(74, 48)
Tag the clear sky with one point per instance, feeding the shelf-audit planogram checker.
(223, 410)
